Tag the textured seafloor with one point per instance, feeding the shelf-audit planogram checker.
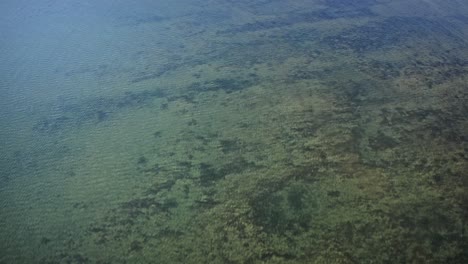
(221, 131)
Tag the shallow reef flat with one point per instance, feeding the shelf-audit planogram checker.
(281, 132)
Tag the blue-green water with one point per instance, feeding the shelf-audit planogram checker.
(222, 131)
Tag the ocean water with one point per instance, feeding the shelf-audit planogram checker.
(222, 131)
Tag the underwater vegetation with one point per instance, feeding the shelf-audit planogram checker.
(226, 85)
(293, 18)
(387, 33)
(94, 111)
(301, 133)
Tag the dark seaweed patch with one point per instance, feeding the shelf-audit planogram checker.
(227, 85)
(155, 189)
(141, 203)
(354, 91)
(333, 193)
(75, 258)
(192, 122)
(157, 134)
(282, 211)
(168, 232)
(188, 97)
(136, 246)
(386, 34)
(175, 63)
(155, 169)
(206, 202)
(308, 123)
(132, 99)
(347, 230)
(169, 203)
(382, 142)
(149, 76)
(429, 123)
(141, 206)
(164, 106)
(45, 240)
(437, 72)
(209, 175)
(381, 69)
(296, 197)
(51, 124)
(229, 145)
(142, 160)
(238, 165)
(357, 92)
(299, 17)
(124, 220)
(96, 110)
(305, 74)
(268, 213)
(102, 115)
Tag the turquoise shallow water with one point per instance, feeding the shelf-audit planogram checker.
(234, 131)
